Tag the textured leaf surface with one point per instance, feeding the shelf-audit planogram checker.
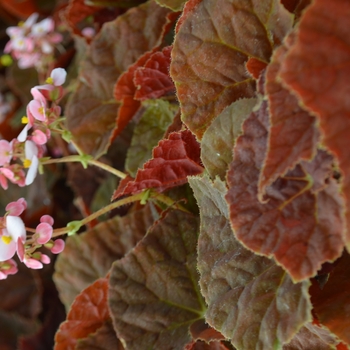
(173, 160)
(175, 5)
(87, 314)
(292, 132)
(103, 339)
(219, 139)
(89, 256)
(154, 295)
(210, 50)
(318, 74)
(153, 80)
(332, 303)
(299, 227)
(92, 110)
(251, 300)
(312, 337)
(154, 122)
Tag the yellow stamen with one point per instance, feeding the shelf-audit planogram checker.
(41, 110)
(20, 24)
(6, 239)
(49, 80)
(27, 163)
(25, 120)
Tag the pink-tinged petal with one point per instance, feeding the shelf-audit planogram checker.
(58, 76)
(32, 171)
(43, 87)
(56, 38)
(45, 232)
(5, 152)
(14, 31)
(39, 137)
(28, 60)
(58, 246)
(16, 208)
(8, 47)
(37, 109)
(88, 32)
(16, 228)
(45, 259)
(48, 219)
(43, 27)
(3, 276)
(20, 250)
(46, 47)
(8, 173)
(3, 182)
(13, 269)
(31, 20)
(32, 263)
(37, 95)
(7, 250)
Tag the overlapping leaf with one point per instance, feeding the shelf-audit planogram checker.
(90, 255)
(153, 80)
(318, 74)
(210, 50)
(298, 224)
(312, 337)
(88, 313)
(175, 5)
(92, 110)
(219, 139)
(151, 128)
(251, 300)
(292, 132)
(332, 303)
(173, 160)
(153, 295)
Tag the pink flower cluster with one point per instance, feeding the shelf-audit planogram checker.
(25, 151)
(31, 43)
(13, 238)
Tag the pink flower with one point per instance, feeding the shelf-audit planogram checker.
(58, 246)
(5, 152)
(16, 208)
(8, 267)
(13, 232)
(44, 229)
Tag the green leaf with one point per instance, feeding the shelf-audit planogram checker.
(251, 300)
(154, 295)
(219, 139)
(213, 43)
(89, 256)
(154, 122)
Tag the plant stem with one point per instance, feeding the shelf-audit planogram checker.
(78, 158)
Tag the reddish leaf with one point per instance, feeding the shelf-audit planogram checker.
(92, 111)
(210, 51)
(89, 256)
(251, 301)
(173, 160)
(312, 337)
(21, 10)
(202, 331)
(332, 303)
(87, 314)
(292, 132)
(299, 227)
(255, 67)
(154, 294)
(201, 345)
(103, 339)
(152, 79)
(319, 75)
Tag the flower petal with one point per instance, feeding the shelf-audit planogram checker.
(32, 171)
(15, 227)
(45, 232)
(58, 76)
(7, 250)
(16, 208)
(58, 246)
(48, 219)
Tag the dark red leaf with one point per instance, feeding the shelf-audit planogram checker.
(319, 75)
(255, 67)
(153, 80)
(173, 160)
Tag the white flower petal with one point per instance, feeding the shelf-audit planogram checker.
(15, 228)
(24, 133)
(30, 149)
(31, 20)
(59, 76)
(33, 169)
(7, 251)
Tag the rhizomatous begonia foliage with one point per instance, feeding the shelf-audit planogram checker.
(206, 190)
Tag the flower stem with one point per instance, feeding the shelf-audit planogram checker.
(78, 158)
